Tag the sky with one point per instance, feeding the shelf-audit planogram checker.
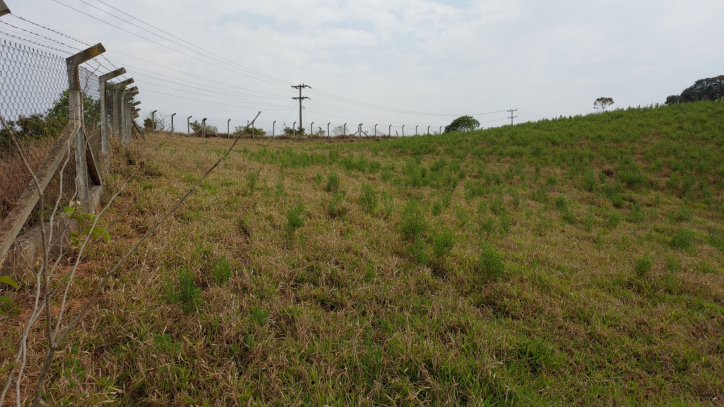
(391, 62)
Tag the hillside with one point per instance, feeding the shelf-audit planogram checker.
(571, 261)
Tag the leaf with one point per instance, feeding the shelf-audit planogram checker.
(9, 281)
(5, 299)
(98, 232)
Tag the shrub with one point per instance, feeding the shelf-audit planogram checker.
(540, 195)
(388, 204)
(672, 265)
(643, 266)
(413, 223)
(259, 316)
(186, 294)
(251, 181)
(561, 203)
(368, 198)
(334, 207)
(437, 208)
(706, 267)
(295, 219)
(418, 250)
(490, 264)
(221, 271)
(684, 214)
(682, 239)
(636, 215)
(442, 243)
(332, 182)
(589, 180)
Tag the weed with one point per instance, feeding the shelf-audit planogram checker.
(541, 228)
(185, 293)
(251, 181)
(614, 219)
(388, 204)
(436, 208)
(318, 178)
(716, 239)
(462, 216)
(332, 182)
(589, 180)
(636, 215)
(537, 355)
(259, 316)
(540, 195)
(682, 239)
(588, 222)
(672, 265)
(295, 218)
(334, 206)
(643, 266)
(442, 243)
(368, 198)
(418, 250)
(414, 224)
(221, 271)
(505, 223)
(490, 264)
(551, 180)
(279, 189)
(684, 214)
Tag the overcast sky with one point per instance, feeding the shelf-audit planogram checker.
(445, 57)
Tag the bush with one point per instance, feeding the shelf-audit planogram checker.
(684, 214)
(643, 266)
(418, 251)
(368, 198)
(490, 264)
(295, 219)
(332, 182)
(683, 239)
(414, 224)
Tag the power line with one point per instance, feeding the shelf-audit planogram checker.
(203, 51)
(301, 99)
(170, 48)
(201, 94)
(206, 101)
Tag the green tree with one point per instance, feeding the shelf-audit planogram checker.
(703, 89)
(603, 103)
(462, 123)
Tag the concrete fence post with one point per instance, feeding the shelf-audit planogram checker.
(228, 128)
(188, 125)
(440, 129)
(172, 122)
(153, 120)
(203, 128)
(389, 131)
(274, 125)
(345, 130)
(294, 128)
(75, 116)
(102, 81)
(311, 129)
(329, 135)
(118, 90)
(403, 130)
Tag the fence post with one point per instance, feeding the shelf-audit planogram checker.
(188, 125)
(274, 125)
(104, 114)
(228, 128)
(3, 8)
(153, 120)
(127, 114)
(389, 131)
(172, 122)
(203, 122)
(118, 107)
(329, 135)
(75, 115)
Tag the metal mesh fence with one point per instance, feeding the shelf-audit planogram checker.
(33, 101)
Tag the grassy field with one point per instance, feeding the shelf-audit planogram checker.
(573, 261)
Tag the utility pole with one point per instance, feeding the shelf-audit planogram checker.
(172, 122)
(188, 126)
(153, 120)
(300, 99)
(228, 129)
(511, 111)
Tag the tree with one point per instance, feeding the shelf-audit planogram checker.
(703, 89)
(462, 123)
(338, 131)
(602, 103)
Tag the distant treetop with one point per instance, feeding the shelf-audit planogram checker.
(703, 89)
(462, 123)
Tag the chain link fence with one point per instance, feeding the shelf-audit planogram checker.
(34, 102)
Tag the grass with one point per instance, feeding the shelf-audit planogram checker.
(464, 284)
